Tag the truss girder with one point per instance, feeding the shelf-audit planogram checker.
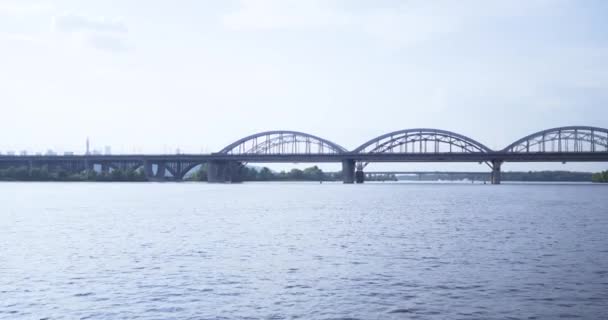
(282, 142)
(564, 139)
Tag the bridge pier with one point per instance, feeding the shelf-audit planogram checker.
(88, 165)
(496, 164)
(177, 171)
(161, 169)
(216, 171)
(105, 167)
(222, 171)
(148, 172)
(359, 175)
(348, 171)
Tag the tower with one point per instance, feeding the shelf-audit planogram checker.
(88, 147)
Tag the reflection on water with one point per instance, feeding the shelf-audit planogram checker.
(302, 250)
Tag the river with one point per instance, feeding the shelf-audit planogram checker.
(303, 250)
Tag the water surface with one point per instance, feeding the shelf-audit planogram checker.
(302, 250)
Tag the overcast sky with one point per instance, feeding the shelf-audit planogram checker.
(153, 76)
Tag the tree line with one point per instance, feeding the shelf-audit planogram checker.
(43, 173)
(546, 176)
(245, 173)
(529, 176)
(600, 177)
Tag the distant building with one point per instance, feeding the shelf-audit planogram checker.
(23, 153)
(50, 152)
(68, 153)
(108, 150)
(88, 147)
(10, 153)
(96, 152)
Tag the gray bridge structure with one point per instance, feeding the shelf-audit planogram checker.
(563, 144)
(449, 175)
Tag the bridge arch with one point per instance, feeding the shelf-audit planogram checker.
(417, 141)
(188, 169)
(563, 139)
(282, 142)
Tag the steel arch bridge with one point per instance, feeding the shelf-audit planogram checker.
(417, 141)
(420, 140)
(282, 142)
(562, 139)
(562, 144)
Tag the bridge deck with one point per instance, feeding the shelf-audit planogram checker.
(295, 158)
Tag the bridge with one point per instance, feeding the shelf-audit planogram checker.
(449, 175)
(563, 144)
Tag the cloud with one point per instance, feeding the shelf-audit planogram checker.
(284, 14)
(76, 23)
(404, 23)
(99, 33)
(400, 23)
(22, 37)
(105, 42)
(28, 23)
(20, 9)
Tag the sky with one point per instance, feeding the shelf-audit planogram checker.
(153, 76)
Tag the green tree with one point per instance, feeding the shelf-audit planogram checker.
(295, 174)
(22, 174)
(200, 174)
(313, 173)
(117, 175)
(600, 177)
(265, 174)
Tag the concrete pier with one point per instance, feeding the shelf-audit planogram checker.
(496, 164)
(348, 171)
(221, 171)
(148, 169)
(359, 176)
(161, 169)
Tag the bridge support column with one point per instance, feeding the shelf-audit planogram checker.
(218, 172)
(496, 164)
(348, 171)
(359, 175)
(177, 175)
(161, 169)
(88, 165)
(105, 168)
(148, 172)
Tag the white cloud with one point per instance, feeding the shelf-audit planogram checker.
(22, 37)
(413, 22)
(28, 22)
(21, 9)
(100, 33)
(77, 23)
(408, 22)
(281, 14)
(105, 42)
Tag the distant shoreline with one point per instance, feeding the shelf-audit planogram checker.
(455, 182)
(311, 174)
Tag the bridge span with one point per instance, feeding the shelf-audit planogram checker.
(449, 175)
(563, 144)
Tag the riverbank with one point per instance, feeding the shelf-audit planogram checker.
(313, 174)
